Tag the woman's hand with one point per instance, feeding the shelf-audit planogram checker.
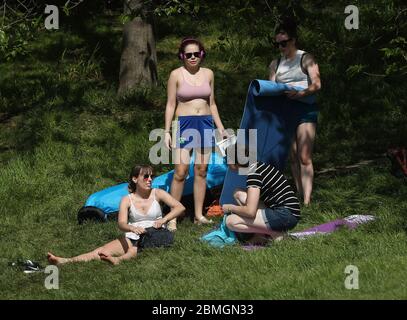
(223, 133)
(138, 230)
(293, 94)
(167, 140)
(226, 208)
(159, 223)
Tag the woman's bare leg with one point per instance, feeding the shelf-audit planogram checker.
(295, 166)
(240, 196)
(129, 254)
(250, 225)
(305, 145)
(181, 160)
(116, 247)
(200, 170)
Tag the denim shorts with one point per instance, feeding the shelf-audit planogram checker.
(279, 219)
(309, 114)
(194, 132)
(133, 242)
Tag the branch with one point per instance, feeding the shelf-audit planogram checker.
(4, 13)
(374, 74)
(28, 13)
(368, 45)
(382, 75)
(268, 6)
(75, 4)
(353, 166)
(398, 15)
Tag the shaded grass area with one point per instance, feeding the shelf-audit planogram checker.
(67, 135)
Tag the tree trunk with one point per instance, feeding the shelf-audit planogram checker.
(138, 64)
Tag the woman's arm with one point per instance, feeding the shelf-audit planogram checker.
(176, 207)
(272, 67)
(248, 210)
(171, 104)
(212, 104)
(171, 100)
(312, 67)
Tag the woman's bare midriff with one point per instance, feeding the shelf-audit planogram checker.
(196, 107)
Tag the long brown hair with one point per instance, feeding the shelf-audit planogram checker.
(135, 171)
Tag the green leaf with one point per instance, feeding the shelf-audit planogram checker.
(355, 70)
(124, 18)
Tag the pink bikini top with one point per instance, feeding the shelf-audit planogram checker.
(187, 92)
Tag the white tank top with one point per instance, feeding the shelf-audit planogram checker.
(138, 219)
(290, 71)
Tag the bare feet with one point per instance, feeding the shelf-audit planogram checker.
(278, 236)
(109, 258)
(56, 260)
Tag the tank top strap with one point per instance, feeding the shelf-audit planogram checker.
(131, 200)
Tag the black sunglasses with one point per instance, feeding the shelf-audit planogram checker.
(195, 54)
(283, 43)
(146, 176)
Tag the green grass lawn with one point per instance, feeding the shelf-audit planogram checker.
(67, 135)
(38, 213)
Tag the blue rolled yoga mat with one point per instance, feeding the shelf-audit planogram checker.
(276, 118)
(107, 201)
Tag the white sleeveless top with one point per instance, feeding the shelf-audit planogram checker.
(290, 71)
(138, 219)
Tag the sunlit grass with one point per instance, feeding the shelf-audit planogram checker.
(69, 136)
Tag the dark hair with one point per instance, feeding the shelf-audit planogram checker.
(135, 173)
(288, 26)
(235, 150)
(190, 40)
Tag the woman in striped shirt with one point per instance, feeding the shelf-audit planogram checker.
(269, 206)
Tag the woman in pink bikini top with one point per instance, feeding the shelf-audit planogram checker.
(187, 92)
(191, 99)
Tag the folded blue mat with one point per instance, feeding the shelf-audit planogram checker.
(276, 118)
(220, 236)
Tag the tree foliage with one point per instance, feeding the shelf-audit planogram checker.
(363, 71)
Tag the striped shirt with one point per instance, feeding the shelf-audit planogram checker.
(275, 190)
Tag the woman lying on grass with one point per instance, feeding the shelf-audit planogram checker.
(268, 207)
(138, 211)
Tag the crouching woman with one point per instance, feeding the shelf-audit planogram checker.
(267, 207)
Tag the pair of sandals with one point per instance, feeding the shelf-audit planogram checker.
(27, 266)
(172, 224)
(202, 220)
